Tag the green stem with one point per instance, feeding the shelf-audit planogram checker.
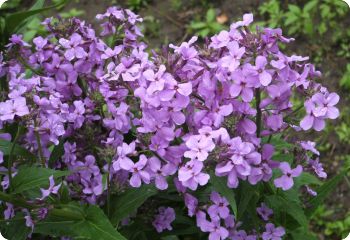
(258, 112)
(82, 86)
(295, 111)
(40, 149)
(108, 189)
(10, 161)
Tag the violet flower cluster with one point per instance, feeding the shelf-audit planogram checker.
(175, 116)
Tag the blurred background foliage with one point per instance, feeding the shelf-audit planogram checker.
(320, 28)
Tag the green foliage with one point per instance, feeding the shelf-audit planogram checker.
(151, 26)
(6, 147)
(34, 177)
(128, 202)
(207, 26)
(88, 222)
(176, 4)
(345, 80)
(15, 229)
(323, 218)
(16, 22)
(324, 190)
(300, 19)
(56, 153)
(73, 12)
(315, 17)
(272, 9)
(136, 5)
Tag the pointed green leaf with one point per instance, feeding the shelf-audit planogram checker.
(88, 222)
(5, 147)
(292, 208)
(15, 228)
(130, 201)
(302, 234)
(34, 177)
(247, 193)
(14, 21)
(324, 190)
(305, 179)
(210, 17)
(56, 153)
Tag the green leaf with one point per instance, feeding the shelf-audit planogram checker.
(324, 190)
(14, 20)
(279, 143)
(290, 19)
(310, 6)
(15, 229)
(215, 26)
(130, 201)
(305, 179)
(28, 35)
(247, 192)
(5, 147)
(210, 17)
(198, 25)
(88, 222)
(56, 153)
(302, 234)
(294, 9)
(204, 32)
(219, 184)
(292, 208)
(34, 177)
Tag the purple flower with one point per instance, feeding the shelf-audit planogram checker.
(137, 170)
(40, 42)
(232, 61)
(9, 211)
(273, 233)
(199, 146)
(122, 152)
(318, 108)
(310, 191)
(29, 222)
(317, 167)
(242, 235)
(247, 19)
(264, 212)
(73, 50)
(52, 189)
(286, 180)
(163, 219)
(42, 213)
(220, 207)
(190, 175)
(216, 231)
(189, 109)
(158, 172)
(309, 146)
(186, 51)
(274, 122)
(241, 86)
(12, 108)
(191, 203)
